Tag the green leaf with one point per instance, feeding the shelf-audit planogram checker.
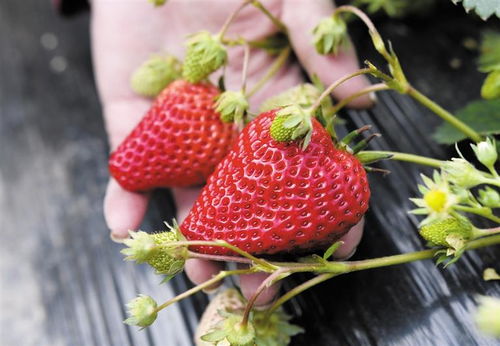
(489, 60)
(483, 116)
(483, 8)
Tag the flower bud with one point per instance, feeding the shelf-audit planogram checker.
(488, 315)
(142, 311)
(486, 152)
(460, 172)
(158, 3)
(141, 247)
(329, 35)
(491, 86)
(489, 197)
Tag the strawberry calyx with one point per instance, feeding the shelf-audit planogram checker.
(232, 106)
(292, 122)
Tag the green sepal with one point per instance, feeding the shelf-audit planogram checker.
(367, 157)
(232, 106)
(330, 35)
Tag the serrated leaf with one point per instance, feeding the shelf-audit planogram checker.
(483, 116)
(489, 59)
(483, 8)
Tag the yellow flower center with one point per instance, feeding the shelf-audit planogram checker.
(435, 200)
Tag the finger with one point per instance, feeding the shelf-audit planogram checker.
(351, 241)
(123, 210)
(301, 17)
(184, 200)
(249, 284)
(199, 271)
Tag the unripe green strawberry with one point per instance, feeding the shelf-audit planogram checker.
(280, 133)
(303, 95)
(437, 232)
(166, 261)
(155, 74)
(205, 54)
(142, 311)
(491, 86)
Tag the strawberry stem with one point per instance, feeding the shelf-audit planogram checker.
(484, 212)
(334, 85)
(275, 67)
(479, 233)
(220, 276)
(421, 160)
(353, 266)
(373, 88)
(244, 71)
(279, 24)
(445, 115)
(230, 19)
(270, 280)
(265, 265)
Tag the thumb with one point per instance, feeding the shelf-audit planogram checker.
(301, 17)
(123, 210)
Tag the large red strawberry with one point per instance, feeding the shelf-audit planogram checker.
(269, 197)
(178, 142)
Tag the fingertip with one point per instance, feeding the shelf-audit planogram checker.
(199, 271)
(123, 210)
(249, 284)
(351, 241)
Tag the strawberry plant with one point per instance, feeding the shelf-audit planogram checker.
(289, 184)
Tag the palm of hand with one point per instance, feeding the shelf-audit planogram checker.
(125, 34)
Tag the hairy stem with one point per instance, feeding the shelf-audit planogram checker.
(279, 24)
(220, 276)
(230, 19)
(445, 115)
(484, 212)
(352, 266)
(334, 85)
(220, 243)
(271, 279)
(421, 160)
(348, 99)
(275, 67)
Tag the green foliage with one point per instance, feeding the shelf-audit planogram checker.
(483, 116)
(396, 8)
(483, 8)
(489, 60)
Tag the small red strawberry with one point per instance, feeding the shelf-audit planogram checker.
(268, 197)
(179, 141)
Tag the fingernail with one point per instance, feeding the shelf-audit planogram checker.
(350, 255)
(117, 238)
(373, 97)
(265, 306)
(210, 290)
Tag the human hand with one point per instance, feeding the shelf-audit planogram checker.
(126, 33)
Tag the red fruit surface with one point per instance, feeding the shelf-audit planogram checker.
(270, 197)
(179, 141)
